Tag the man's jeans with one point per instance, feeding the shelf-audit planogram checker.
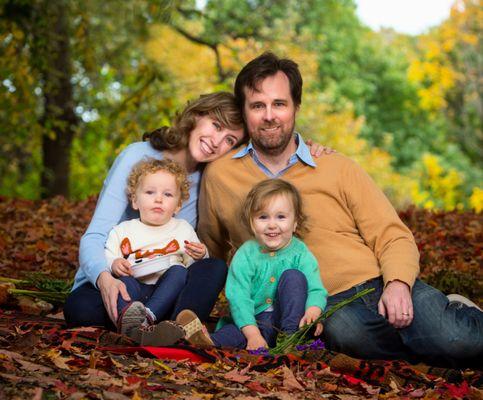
(206, 278)
(289, 308)
(440, 334)
(159, 297)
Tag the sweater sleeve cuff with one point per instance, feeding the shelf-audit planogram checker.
(316, 301)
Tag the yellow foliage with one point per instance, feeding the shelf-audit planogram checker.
(191, 66)
(436, 187)
(434, 70)
(476, 199)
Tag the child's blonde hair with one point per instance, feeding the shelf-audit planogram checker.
(153, 165)
(265, 191)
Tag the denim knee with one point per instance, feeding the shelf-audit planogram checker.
(177, 274)
(292, 278)
(343, 331)
(439, 329)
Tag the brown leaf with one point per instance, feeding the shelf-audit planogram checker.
(256, 387)
(236, 376)
(38, 394)
(107, 395)
(289, 380)
(31, 306)
(55, 356)
(29, 366)
(4, 287)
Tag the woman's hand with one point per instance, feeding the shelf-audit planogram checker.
(110, 289)
(121, 267)
(311, 314)
(317, 150)
(196, 251)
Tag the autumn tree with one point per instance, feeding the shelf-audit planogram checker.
(61, 48)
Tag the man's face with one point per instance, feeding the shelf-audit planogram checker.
(270, 114)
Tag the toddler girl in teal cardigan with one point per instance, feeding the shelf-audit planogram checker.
(273, 281)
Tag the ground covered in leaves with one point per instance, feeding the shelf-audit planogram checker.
(41, 359)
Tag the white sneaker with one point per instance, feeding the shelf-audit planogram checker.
(457, 298)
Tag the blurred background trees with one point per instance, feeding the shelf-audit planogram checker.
(80, 80)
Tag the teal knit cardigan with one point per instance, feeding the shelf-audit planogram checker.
(254, 274)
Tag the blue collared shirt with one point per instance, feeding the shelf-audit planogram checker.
(302, 153)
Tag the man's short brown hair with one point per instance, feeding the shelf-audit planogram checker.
(268, 64)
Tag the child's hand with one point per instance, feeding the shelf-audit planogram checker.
(254, 337)
(311, 314)
(121, 267)
(195, 250)
(255, 342)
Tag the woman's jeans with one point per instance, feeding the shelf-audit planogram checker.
(440, 333)
(206, 278)
(289, 308)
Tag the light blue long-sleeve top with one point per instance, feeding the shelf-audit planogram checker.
(113, 207)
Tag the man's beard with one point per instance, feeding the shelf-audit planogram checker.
(273, 145)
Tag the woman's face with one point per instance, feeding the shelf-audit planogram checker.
(210, 140)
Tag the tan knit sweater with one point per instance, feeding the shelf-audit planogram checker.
(355, 233)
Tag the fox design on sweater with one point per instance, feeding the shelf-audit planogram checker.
(143, 255)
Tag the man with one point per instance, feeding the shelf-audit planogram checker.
(355, 234)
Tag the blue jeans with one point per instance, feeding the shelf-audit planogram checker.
(289, 308)
(159, 297)
(439, 334)
(206, 278)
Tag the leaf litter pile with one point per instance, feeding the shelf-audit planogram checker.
(41, 359)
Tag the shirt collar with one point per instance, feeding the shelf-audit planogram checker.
(302, 152)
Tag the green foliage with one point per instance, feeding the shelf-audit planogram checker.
(129, 76)
(449, 281)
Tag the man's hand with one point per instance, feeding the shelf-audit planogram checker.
(317, 150)
(110, 289)
(311, 314)
(121, 267)
(396, 304)
(254, 337)
(195, 250)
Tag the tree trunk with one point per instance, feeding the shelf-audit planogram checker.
(59, 119)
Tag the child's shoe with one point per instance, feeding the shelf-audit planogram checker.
(166, 333)
(195, 332)
(131, 318)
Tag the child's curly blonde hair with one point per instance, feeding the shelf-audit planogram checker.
(153, 165)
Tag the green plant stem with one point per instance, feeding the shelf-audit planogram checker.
(50, 296)
(11, 280)
(296, 338)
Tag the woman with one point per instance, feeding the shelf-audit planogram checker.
(204, 131)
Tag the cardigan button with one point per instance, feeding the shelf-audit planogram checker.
(272, 279)
(272, 254)
(268, 301)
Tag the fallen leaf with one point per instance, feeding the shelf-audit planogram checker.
(29, 366)
(236, 376)
(59, 361)
(289, 380)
